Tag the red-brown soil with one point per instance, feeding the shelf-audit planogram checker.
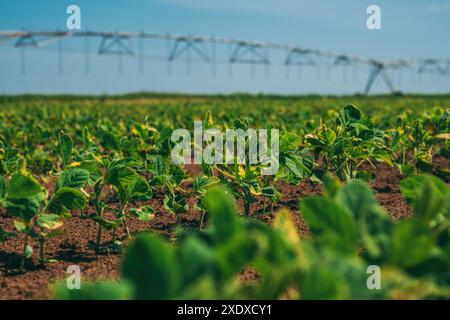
(71, 248)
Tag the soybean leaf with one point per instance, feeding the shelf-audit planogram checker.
(201, 184)
(175, 204)
(326, 135)
(66, 199)
(120, 176)
(234, 254)
(219, 204)
(196, 257)
(86, 137)
(357, 197)
(89, 165)
(23, 186)
(66, 146)
(49, 221)
(320, 283)
(129, 145)
(272, 193)
(92, 166)
(373, 225)
(151, 266)
(23, 208)
(110, 141)
(412, 243)
(156, 165)
(73, 178)
(349, 115)
(177, 174)
(140, 190)
(330, 223)
(20, 226)
(145, 213)
(289, 142)
(427, 194)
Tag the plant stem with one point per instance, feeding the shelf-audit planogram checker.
(246, 207)
(126, 228)
(25, 244)
(226, 174)
(201, 221)
(124, 218)
(41, 247)
(99, 211)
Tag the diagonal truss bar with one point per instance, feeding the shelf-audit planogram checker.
(249, 53)
(378, 69)
(299, 57)
(115, 44)
(26, 41)
(184, 44)
(31, 40)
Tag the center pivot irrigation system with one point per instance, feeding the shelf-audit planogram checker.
(204, 47)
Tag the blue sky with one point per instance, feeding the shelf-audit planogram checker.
(409, 30)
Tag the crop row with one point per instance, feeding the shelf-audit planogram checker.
(130, 161)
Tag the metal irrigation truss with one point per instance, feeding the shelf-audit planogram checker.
(204, 47)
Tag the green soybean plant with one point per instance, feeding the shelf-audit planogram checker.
(168, 178)
(65, 148)
(352, 141)
(350, 234)
(200, 187)
(127, 185)
(37, 215)
(246, 180)
(201, 266)
(416, 140)
(11, 160)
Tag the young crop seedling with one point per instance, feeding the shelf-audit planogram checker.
(128, 186)
(350, 233)
(200, 187)
(246, 180)
(416, 142)
(354, 140)
(37, 215)
(111, 175)
(168, 178)
(114, 166)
